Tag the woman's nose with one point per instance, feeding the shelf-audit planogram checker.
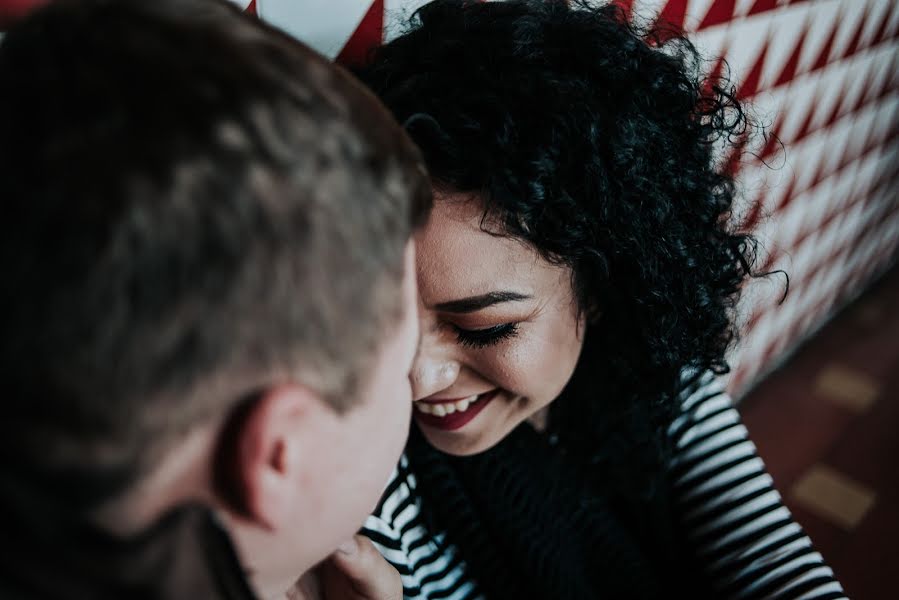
(431, 374)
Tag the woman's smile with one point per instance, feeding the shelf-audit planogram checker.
(450, 415)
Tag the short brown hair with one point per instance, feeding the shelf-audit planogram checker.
(192, 202)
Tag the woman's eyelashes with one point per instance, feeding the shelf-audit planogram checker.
(481, 338)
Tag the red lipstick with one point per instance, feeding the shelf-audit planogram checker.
(457, 420)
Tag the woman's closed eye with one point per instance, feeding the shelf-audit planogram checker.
(482, 338)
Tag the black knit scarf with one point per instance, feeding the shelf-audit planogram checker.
(527, 527)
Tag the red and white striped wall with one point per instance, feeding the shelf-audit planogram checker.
(822, 74)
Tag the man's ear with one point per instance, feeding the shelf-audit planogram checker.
(260, 454)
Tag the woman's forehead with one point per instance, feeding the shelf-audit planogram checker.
(457, 258)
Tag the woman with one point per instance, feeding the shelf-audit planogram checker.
(577, 282)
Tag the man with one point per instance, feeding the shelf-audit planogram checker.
(208, 305)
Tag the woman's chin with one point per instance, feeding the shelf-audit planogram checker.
(459, 444)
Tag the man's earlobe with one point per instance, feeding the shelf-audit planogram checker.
(258, 455)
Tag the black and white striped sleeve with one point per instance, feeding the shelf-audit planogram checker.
(430, 568)
(744, 540)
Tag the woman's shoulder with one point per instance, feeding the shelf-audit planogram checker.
(695, 381)
(702, 395)
(401, 491)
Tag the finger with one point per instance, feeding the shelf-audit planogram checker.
(370, 576)
(307, 587)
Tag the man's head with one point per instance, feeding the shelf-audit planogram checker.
(207, 285)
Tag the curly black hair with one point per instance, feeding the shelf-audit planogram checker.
(596, 142)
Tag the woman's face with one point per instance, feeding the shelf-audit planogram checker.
(501, 331)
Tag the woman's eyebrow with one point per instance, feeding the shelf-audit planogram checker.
(475, 303)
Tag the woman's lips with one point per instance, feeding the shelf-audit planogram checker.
(450, 415)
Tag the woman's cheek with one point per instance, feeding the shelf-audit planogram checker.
(532, 368)
(547, 364)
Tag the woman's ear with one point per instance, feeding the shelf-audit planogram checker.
(258, 462)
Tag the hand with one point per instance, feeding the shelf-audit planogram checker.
(356, 571)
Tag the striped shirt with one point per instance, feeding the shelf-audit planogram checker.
(739, 530)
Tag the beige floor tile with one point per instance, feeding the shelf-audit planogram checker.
(833, 496)
(847, 387)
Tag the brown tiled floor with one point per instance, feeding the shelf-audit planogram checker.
(833, 409)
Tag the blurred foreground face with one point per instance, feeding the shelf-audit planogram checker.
(342, 482)
(214, 283)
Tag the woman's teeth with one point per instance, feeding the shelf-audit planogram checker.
(447, 408)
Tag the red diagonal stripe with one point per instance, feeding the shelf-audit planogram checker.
(626, 6)
(734, 161)
(755, 214)
(788, 195)
(882, 28)
(772, 141)
(721, 11)
(368, 35)
(835, 111)
(852, 48)
(751, 84)
(762, 6)
(789, 70)
(713, 79)
(823, 56)
(670, 20)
